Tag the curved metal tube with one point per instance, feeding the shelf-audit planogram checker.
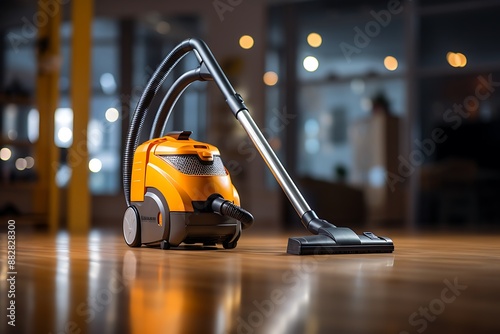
(233, 99)
(171, 98)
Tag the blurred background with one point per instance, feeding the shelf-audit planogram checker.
(386, 113)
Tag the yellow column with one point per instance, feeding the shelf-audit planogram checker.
(46, 192)
(79, 205)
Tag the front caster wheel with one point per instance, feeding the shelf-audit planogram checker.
(132, 227)
(231, 244)
(164, 244)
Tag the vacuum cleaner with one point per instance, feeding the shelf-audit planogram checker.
(178, 191)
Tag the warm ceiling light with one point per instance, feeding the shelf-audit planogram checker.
(456, 59)
(246, 42)
(462, 59)
(314, 39)
(270, 78)
(453, 59)
(390, 63)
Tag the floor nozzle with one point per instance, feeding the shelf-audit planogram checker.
(330, 239)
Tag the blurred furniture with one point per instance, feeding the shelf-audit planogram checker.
(339, 203)
(452, 183)
(460, 186)
(375, 141)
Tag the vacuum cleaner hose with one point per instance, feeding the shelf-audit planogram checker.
(142, 108)
(226, 208)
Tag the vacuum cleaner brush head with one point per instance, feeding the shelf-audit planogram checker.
(322, 244)
(330, 239)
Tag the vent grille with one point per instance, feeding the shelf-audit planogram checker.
(192, 165)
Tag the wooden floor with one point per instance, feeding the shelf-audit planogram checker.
(96, 284)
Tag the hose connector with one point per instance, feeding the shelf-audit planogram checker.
(226, 208)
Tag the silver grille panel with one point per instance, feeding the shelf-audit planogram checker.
(191, 165)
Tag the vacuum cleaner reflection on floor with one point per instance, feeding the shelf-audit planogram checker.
(178, 191)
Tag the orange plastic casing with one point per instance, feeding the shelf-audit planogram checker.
(149, 170)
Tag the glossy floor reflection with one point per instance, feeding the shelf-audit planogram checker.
(96, 284)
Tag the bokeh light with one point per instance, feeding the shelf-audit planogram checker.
(65, 134)
(30, 162)
(456, 59)
(112, 115)
(390, 63)
(310, 63)
(314, 39)
(95, 165)
(21, 164)
(5, 153)
(246, 42)
(270, 78)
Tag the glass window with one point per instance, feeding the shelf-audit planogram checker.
(18, 116)
(348, 59)
(104, 128)
(328, 112)
(337, 43)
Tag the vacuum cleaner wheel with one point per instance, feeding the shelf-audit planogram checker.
(132, 227)
(231, 243)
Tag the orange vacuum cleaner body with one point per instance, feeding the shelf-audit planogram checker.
(173, 180)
